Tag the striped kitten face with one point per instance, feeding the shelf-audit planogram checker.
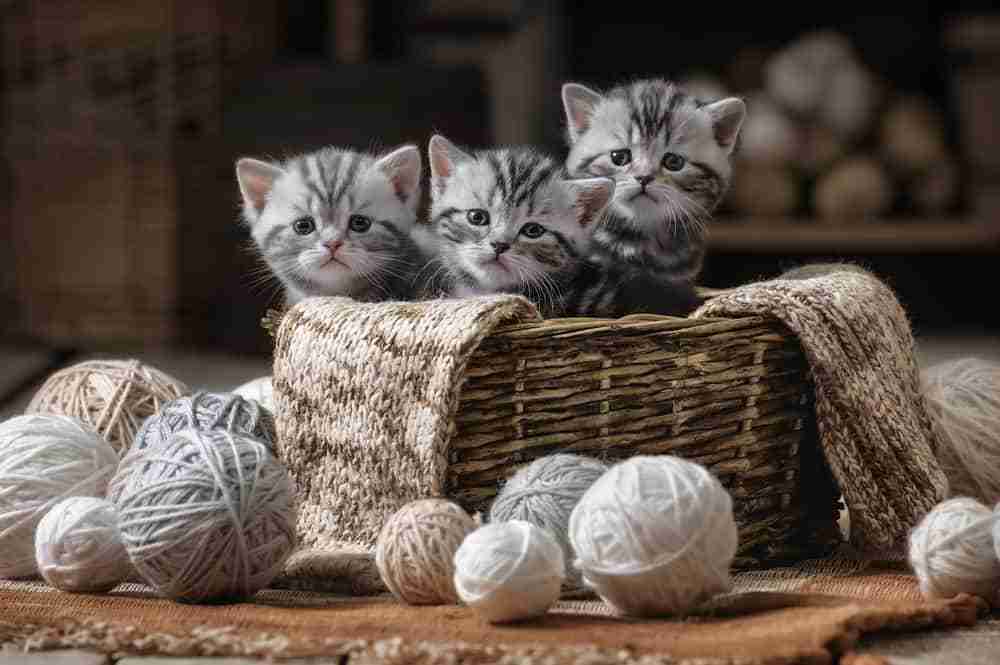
(508, 221)
(668, 152)
(333, 222)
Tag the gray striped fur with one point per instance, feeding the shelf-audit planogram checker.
(516, 188)
(659, 227)
(330, 186)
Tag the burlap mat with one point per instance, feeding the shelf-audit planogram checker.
(810, 613)
(874, 429)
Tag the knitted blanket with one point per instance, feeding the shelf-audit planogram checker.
(375, 387)
(874, 428)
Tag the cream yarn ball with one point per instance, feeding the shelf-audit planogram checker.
(952, 550)
(210, 516)
(509, 571)
(203, 410)
(260, 389)
(44, 459)
(78, 546)
(416, 548)
(963, 399)
(655, 535)
(545, 493)
(113, 396)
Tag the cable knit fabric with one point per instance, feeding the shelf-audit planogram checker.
(875, 430)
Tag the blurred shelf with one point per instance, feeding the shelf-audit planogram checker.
(891, 237)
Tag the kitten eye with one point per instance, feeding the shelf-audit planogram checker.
(673, 162)
(359, 223)
(621, 157)
(533, 230)
(304, 226)
(478, 217)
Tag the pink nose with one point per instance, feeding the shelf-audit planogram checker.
(334, 245)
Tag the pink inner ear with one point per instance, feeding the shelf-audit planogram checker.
(402, 185)
(441, 164)
(580, 116)
(590, 204)
(257, 184)
(727, 126)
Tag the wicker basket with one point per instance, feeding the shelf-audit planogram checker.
(732, 394)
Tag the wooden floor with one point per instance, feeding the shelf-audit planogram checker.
(22, 370)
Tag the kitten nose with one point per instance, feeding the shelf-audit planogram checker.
(644, 179)
(500, 247)
(334, 245)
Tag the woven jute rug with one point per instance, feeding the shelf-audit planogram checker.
(814, 612)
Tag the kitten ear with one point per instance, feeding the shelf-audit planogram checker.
(444, 157)
(579, 101)
(256, 178)
(403, 167)
(727, 118)
(589, 197)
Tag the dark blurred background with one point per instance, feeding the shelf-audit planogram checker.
(870, 138)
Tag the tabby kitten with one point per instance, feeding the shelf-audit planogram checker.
(669, 154)
(508, 221)
(336, 222)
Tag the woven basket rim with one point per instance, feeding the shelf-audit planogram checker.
(631, 324)
(564, 327)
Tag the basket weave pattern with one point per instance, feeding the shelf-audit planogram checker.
(732, 394)
(380, 404)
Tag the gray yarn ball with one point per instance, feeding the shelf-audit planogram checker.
(210, 516)
(544, 493)
(201, 411)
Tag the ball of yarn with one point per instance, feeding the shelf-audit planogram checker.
(545, 493)
(416, 549)
(952, 550)
(203, 410)
(113, 396)
(655, 535)
(212, 518)
(44, 459)
(509, 571)
(963, 399)
(78, 546)
(260, 389)
(855, 190)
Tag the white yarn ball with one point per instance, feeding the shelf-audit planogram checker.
(509, 571)
(78, 546)
(963, 398)
(545, 493)
(952, 550)
(851, 100)
(44, 459)
(799, 75)
(212, 518)
(655, 535)
(768, 135)
(260, 389)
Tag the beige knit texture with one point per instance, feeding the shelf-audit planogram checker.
(374, 387)
(874, 427)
